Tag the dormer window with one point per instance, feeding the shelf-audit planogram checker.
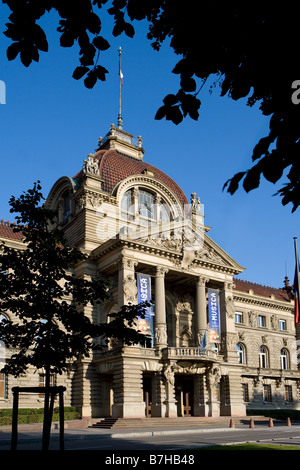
(144, 205)
(127, 203)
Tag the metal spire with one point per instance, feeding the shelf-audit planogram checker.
(120, 119)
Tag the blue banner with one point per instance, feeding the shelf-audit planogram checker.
(214, 316)
(144, 295)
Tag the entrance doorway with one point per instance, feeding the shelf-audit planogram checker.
(147, 391)
(184, 392)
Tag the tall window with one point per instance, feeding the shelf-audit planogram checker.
(284, 362)
(263, 359)
(240, 349)
(164, 214)
(127, 203)
(245, 392)
(288, 393)
(261, 321)
(146, 204)
(282, 325)
(267, 393)
(42, 382)
(238, 317)
(3, 385)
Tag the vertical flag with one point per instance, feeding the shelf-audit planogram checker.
(296, 286)
(203, 343)
(121, 77)
(214, 316)
(144, 295)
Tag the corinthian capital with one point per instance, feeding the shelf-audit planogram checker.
(202, 280)
(161, 271)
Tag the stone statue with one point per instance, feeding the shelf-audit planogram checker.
(91, 165)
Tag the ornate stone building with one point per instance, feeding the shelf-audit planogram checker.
(135, 222)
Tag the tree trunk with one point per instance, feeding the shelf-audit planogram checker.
(47, 412)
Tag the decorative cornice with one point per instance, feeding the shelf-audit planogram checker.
(276, 304)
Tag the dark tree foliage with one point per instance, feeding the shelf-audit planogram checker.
(249, 51)
(49, 328)
(38, 286)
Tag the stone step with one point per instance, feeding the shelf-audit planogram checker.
(117, 423)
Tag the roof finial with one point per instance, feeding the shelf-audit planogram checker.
(120, 119)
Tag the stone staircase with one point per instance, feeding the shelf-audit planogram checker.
(146, 423)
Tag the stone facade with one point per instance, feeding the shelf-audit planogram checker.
(131, 218)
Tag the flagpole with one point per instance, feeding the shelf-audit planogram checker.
(297, 270)
(120, 119)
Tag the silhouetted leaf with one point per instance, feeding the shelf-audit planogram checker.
(67, 39)
(187, 83)
(174, 114)
(129, 30)
(161, 113)
(80, 71)
(91, 79)
(272, 167)
(261, 148)
(13, 50)
(100, 72)
(233, 183)
(169, 100)
(101, 43)
(252, 178)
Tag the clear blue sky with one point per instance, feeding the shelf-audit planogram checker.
(50, 122)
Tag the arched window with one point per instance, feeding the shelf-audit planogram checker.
(263, 357)
(146, 204)
(284, 359)
(164, 213)
(240, 349)
(127, 202)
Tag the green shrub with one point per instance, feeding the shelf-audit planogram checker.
(276, 414)
(36, 415)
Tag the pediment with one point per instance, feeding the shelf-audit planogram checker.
(212, 254)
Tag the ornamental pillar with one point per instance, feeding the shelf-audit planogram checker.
(201, 315)
(228, 332)
(160, 308)
(127, 289)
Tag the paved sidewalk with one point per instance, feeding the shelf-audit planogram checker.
(32, 432)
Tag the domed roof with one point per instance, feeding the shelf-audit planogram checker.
(115, 166)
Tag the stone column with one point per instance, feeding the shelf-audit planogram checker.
(160, 308)
(228, 333)
(201, 315)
